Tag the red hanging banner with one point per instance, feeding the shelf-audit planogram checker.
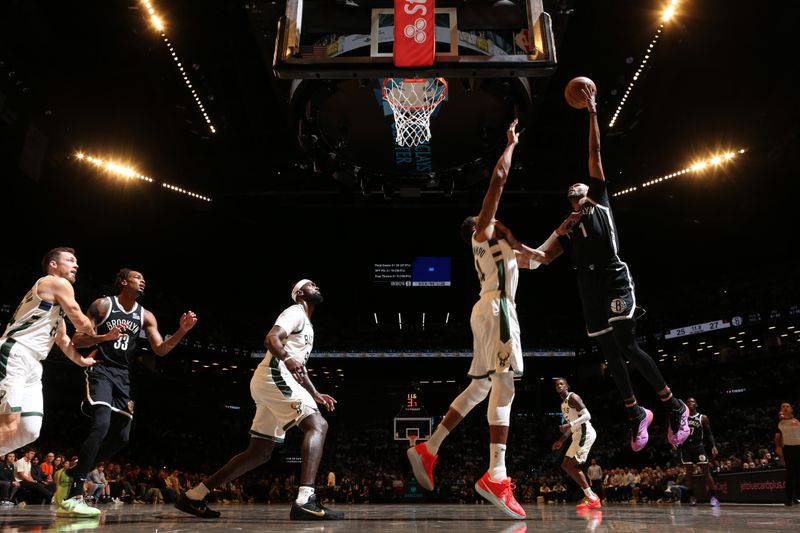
(414, 33)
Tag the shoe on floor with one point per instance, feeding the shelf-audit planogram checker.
(589, 503)
(500, 493)
(311, 510)
(422, 463)
(639, 434)
(77, 508)
(198, 508)
(714, 502)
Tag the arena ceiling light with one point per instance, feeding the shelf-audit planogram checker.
(125, 171)
(158, 24)
(698, 166)
(666, 15)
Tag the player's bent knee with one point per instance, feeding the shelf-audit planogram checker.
(314, 422)
(27, 431)
(9, 423)
(474, 394)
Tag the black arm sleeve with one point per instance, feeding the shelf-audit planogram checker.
(597, 191)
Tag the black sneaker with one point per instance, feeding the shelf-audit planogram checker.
(195, 507)
(313, 511)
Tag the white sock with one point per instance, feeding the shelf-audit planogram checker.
(439, 434)
(589, 494)
(497, 461)
(303, 494)
(198, 492)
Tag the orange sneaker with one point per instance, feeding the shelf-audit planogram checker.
(500, 493)
(589, 503)
(422, 463)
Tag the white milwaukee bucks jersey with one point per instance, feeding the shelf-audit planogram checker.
(300, 341)
(496, 264)
(35, 323)
(570, 413)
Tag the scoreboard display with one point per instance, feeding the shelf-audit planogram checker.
(422, 271)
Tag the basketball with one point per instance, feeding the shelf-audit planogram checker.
(573, 93)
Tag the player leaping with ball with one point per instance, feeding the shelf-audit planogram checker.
(607, 292)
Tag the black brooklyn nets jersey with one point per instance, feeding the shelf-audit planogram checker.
(695, 438)
(118, 353)
(594, 238)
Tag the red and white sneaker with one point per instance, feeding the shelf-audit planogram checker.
(422, 463)
(589, 503)
(500, 493)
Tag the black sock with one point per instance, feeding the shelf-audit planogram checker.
(77, 488)
(634, 412)
(673, 404)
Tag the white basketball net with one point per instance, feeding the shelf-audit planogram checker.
(412, 102)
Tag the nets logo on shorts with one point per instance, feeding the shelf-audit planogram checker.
(618, 305)
(702, 458)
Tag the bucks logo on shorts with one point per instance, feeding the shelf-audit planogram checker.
(503, 358)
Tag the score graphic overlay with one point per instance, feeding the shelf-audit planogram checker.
(423, 271)
(697, 328)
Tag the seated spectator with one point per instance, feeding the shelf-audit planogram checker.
(8, 481)
(99, 485)
(22, 471)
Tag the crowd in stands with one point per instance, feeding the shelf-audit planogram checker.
(369, 465)
(184, 429)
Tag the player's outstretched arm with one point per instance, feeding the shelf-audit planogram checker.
(484, 222)
(595, 164)
(160, 346)
(527, 257)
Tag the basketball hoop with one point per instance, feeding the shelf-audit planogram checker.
(413, 101)
(412, 439)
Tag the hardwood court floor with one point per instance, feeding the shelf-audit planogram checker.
(418, 518)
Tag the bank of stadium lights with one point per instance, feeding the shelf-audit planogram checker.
(668, 13)
(713, 161)
(128, 172)
(158, 24)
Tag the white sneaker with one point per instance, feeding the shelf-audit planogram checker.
(76, 507)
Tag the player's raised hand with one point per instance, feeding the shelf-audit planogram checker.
(513, 136)
(187, 321)
(588, 94)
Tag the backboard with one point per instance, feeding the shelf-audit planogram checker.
(318, 39)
